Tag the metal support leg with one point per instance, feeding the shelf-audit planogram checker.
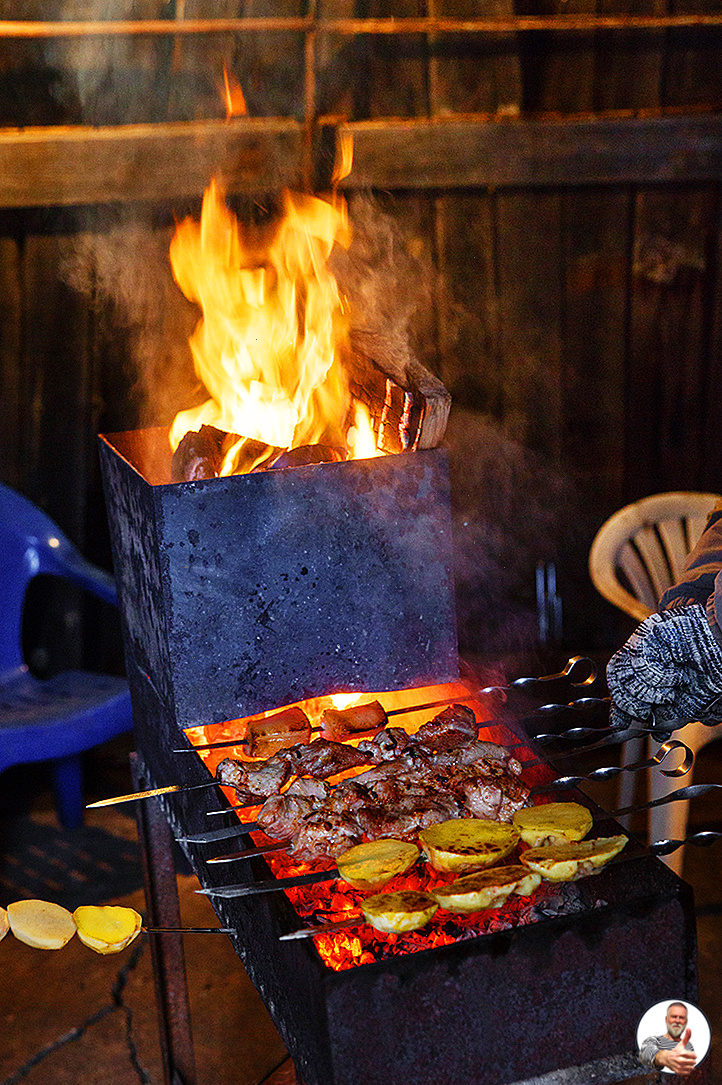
(163, 910)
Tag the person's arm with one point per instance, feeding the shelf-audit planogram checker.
(671, 666)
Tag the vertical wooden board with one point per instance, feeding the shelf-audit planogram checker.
(57, 391)
(56, 382)
(475, 73)
(693, 69)
(711, 405)
(530, 298)
(469, 347)
(557, 68)
(674, 230)
(629, 64)
(596, 225)
(10, 379)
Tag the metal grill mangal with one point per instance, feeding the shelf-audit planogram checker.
(246, 593)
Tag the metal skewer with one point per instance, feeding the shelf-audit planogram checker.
(169, 789)
(188, 930)
(661, 847)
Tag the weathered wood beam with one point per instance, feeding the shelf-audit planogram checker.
(63, 166)
(27, 28)
(469, 153)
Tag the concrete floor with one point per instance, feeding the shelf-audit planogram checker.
(61, 1021)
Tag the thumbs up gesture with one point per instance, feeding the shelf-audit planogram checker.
(678, 1060)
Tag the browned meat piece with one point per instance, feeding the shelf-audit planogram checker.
(340, 723)
(261, 778)
(450, 728)
(475, 751)
(324, 836)
(495, 797)
(281, 816)
(310, 788)
(322, 758)
(406, 821)
(349, 797)
(387, 745)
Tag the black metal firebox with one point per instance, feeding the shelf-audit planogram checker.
(487, 1010)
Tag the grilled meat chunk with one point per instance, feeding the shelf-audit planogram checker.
(325, 835)
(450, 728)
(261, 778)
(322, 758)
(496, 797)
(281, 816)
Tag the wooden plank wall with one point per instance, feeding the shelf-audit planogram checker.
(579, 324)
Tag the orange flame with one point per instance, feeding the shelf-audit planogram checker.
(269, 348)
(233, 95)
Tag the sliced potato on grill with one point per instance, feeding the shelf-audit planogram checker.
(4, 924)
(107, 929)
(486, 888)
(396, 913)
(552, 823)
(568, 862)
(374, 864)
(465, 844)
(40, 923)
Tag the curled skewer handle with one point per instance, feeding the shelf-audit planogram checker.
(613, 770)
(580, 670)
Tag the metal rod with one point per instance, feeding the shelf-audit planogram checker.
(608, 771)
(188, 930)
(151, 794)
(493, 25)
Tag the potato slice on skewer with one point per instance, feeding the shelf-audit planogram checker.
(41, 924)
(396, 913)
(552, 823)
(568, 862)
(4, 923)
(486, 888)
(374, 864)
(107, 929)
(465, 844)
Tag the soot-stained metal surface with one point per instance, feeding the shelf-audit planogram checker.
(282, 585)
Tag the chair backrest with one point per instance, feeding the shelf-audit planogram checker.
(31, 543)
(640, 550)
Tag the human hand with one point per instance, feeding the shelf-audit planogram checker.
(671, 665)
(677, 1060)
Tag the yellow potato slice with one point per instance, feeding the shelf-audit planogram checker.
(107, 929)
(4, 923)
(568, 862)
(396, 913)
(463, 844)
(486, 888)
(552, 823)
(373, 865)
(41, 924)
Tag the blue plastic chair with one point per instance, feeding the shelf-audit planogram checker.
(53, 719)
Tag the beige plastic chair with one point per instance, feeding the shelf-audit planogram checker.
(637, 554)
